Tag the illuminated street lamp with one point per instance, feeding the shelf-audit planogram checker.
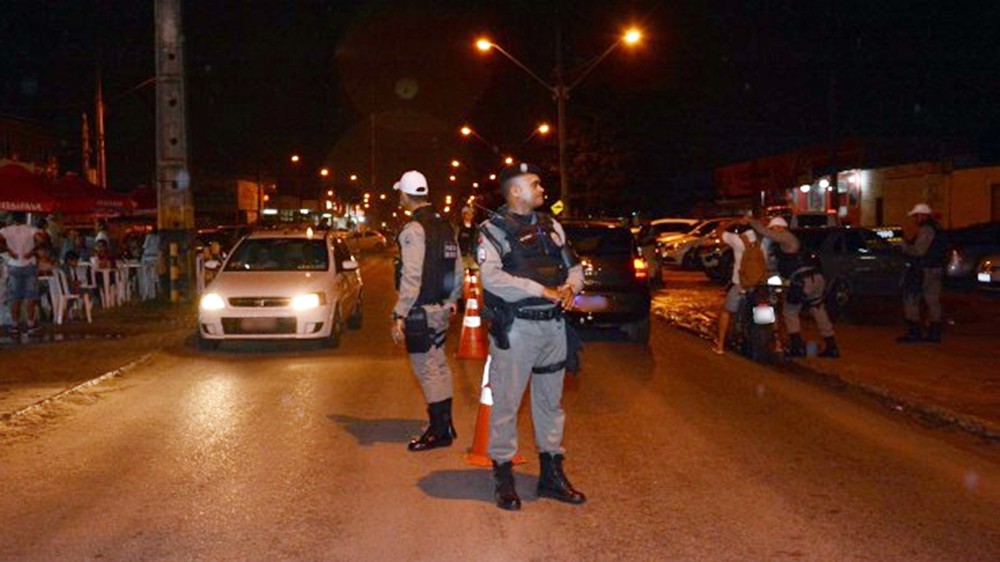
(295, 158)
(493, 177)
(466, 131)
(452, 178)
(354, 177)
(455, 163)
(561, 90)
(544, 129)
(508, 160)
(324, 172)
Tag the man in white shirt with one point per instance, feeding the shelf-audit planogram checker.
(21, 240)
(734, 294)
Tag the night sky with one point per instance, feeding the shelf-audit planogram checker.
(712, 83)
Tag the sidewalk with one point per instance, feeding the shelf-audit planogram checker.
(59, 357)
(955, 383)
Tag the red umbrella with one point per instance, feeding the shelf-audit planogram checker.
(75, 195)
(21, 190)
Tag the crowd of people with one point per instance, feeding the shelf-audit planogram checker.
(30, 252)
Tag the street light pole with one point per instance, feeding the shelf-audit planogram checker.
(560, 92)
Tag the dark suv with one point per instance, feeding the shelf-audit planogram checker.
(616, 279)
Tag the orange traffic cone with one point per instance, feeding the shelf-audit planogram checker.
(467, 284)
(477, 455)
(472, 344)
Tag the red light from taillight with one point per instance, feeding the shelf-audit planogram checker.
(641, 269)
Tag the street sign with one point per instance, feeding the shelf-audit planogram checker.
(557, 207)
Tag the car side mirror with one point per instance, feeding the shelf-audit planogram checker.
(349, 265)
(212, 264)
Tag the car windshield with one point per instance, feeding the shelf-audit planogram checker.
(279, 254)
(665, 227)
(705, 228)
(596, 241)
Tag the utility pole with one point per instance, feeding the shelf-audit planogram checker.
(561, 94)
(102, 163)
(175, 210)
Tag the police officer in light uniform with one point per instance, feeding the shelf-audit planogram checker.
(428, 279)
(529, 275)
(806, 287)
(928, 255)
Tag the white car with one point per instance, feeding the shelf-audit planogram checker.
(676, 251)
(367, 241)
(282, 285)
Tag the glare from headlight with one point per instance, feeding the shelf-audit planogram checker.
(212, 301)
(305, 302)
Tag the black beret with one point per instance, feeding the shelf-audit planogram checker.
(518, 169)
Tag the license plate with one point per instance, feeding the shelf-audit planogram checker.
(259, 325)
(590, 303)
(985, 277)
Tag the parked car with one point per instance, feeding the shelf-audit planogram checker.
(968, 246)
(817, 219)
(988, 274)
(714, 256)
(681, 251)
(283, 285)
(855, 262)
(366, 241)
(616, 280)
(662, 229)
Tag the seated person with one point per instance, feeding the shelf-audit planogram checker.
(44, 261)
(102, 257)
(264, 260)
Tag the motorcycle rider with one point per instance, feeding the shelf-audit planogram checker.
(806, 287)
(739, 238)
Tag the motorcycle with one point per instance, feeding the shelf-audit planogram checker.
(754, 336)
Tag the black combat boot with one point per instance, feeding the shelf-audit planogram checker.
(504, 490)
(796, 347)
(438, 432)
(912, 334)
(934, 332)
(553, 482)
(831, 350)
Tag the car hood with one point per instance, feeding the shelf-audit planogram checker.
(268, 283)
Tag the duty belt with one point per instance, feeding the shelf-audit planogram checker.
(539, 314)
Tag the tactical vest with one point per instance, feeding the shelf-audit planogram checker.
(437, 280)
(533, 253)
(937, 252)
(788, 262)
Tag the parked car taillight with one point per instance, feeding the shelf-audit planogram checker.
(641, 269)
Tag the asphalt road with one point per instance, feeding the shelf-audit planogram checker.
(270, 453)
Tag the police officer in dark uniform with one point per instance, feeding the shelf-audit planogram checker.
(529, 275)
(428, 279)
(928, 255)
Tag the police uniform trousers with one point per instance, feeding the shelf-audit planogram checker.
(431, 368)
(930, 292)
(533, 343)
(813, 289)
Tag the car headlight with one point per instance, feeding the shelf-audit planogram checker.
(212, 301)
(305, 302)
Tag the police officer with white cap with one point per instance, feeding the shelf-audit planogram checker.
(529, 275)
(428, 277)
(928, 255)
(806, 287)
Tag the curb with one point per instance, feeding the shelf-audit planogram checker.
(938, 416)
(4, 417)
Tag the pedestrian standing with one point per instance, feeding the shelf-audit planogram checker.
(745, 244)
(467, 235)
(529, 275)
(21, 240)
(927, 251)
(428, 276)
(806, 287)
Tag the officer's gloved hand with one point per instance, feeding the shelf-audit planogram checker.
(565, 296)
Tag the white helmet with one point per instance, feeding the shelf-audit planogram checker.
(921, 209)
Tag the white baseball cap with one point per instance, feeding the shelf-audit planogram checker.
(777, 221)
(921, 209)
(412, 183)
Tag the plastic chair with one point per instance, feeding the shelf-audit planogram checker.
(67, 296)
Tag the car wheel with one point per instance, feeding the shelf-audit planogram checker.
(638, 332)
(336, 329)
(357, 318)
(205, 344)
